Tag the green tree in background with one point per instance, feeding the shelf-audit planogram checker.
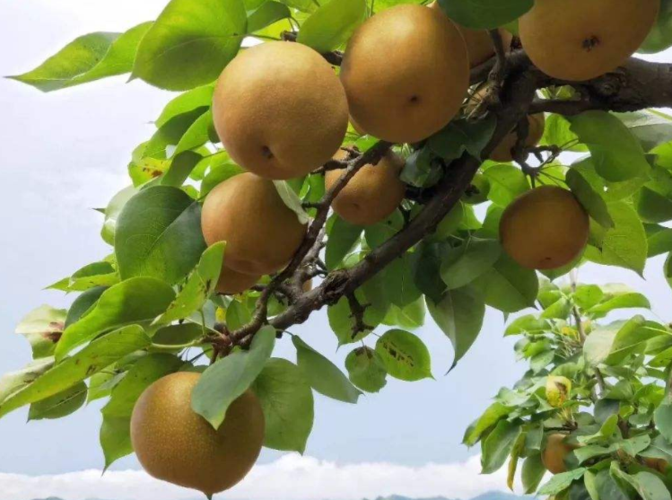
(385, 161)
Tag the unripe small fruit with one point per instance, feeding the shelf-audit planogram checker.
(558, 390)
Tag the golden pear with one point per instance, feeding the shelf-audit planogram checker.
(577, 40)
(545, 228)
(504, 150)
(406, 73)
(553, 456)
(232, 282)
(175, 444)
(280, 110)
(261, 232)
(372, 194)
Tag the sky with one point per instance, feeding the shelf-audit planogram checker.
(64, 154)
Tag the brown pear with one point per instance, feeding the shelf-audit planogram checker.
(372, 194)
(280, 110)
(577, 40)
(545, 228)
(553, 456)
(175, 444)
(232, 282)
(504, 150)
(405, 73)
(261, 232)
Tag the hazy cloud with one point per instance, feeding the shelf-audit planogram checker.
(291, 477)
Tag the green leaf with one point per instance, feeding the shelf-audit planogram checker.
(506, 183)
(660, 36)
(133, 301)
(397, 280)
(220, 169)
(625, 245)
(180, 335)
(287, 401)
(198, 133)
(473, 259)
(651, 127)
(557, 132)
(587, 296)
(200, 284)
(343, 237)
(159, 235)
(82, 304)
(323, 375)
(404, 355)
(90, 276)
(624, 301)
(507, 286)
(663, 419)
(426, 264)
(180, 169)
(87, 58)
(460, 315)
(485, 14)
(493, 414)
(532, 474)
(59, 405)
(116, 428)
(421, 170)
(498, 445)
(190, 43)
(332, 24)
(142, 374)
(146, 156)
(95, 357)
(291, 200)
(102, 383)
(187, 102)
(342, 321)
(13, 382)
(527, 324)
(267, 14)
(115, 439)
(42, 327)
(589, 198)
(112, 212)
(617, 154)
(226, 380)
(366, 369)
(461, 136)
(561, 482)
(379, 233)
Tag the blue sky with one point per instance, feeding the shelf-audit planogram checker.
(65, 153)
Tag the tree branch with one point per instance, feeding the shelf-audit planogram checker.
(637, 85)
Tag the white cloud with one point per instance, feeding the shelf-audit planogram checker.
(291, 477)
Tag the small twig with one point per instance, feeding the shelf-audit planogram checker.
(358, 311)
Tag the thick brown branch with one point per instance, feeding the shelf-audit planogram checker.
(312, 241)
(636, 86)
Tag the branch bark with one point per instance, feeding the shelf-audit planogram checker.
(637, 85)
